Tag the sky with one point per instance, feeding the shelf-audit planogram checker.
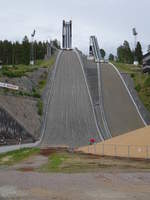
(111, 21)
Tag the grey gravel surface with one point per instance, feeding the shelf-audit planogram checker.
(120, 111)
(85, 186)
(70, 119)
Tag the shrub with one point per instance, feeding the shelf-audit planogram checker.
(40, 107)
(36, 94)
(147, 82)
(138, 87)
(42, 84)
(132, 75)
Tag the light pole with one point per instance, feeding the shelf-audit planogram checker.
(135, 43)
(32, 49)
(48, 49)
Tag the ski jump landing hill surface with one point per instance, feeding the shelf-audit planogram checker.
(72, 111)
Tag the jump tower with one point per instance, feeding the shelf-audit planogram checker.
(67, 35)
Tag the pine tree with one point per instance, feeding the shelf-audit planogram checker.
(103, 53)
(124, 53)
(25, 51)
(19, 53)
(148, 48)
(111, 57)
(138, 53)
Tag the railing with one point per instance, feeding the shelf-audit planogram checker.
(117, 150)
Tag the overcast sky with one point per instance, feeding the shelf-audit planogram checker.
(110, 20)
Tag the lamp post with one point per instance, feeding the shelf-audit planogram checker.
(32, 49)
(135, 43)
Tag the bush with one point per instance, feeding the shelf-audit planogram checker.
(147, 82)
(42, 84)
(40, 107)
(132, 75)
(36, 94)
(138, 87)
(17, 71)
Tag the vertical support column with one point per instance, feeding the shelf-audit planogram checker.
(71, 34)
(67, 35)
(63, 35)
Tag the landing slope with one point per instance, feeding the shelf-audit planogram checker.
(70, 119)
(121, 114)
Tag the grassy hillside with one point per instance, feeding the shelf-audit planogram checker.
(21, 70)
(141, 81)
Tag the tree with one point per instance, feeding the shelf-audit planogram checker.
(111, 57)
(124, 53)
(102, 52)
(138, 53)
(148, 48)
(25, 51)
(56, 43)
(19, 53)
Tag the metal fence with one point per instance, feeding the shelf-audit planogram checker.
(129, 151)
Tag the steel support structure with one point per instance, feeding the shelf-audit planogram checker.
(94, 49)
(67, 35)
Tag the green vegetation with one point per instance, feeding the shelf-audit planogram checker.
(22, 70)
(54, 162)
(14, 157)
(62, 161)
(42, 83)
(15, 53)
(141, 81)
(65, 162)
(40, 107)
(46, 63)
(126, 55)
(111, 57)
(35, 93)
(127, 68)
(17, 71)
(103, 53)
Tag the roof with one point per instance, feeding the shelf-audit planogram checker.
(147, 54)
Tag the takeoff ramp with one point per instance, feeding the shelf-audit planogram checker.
(120, 111)
(70, 119)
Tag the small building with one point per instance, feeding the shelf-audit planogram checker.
(146, 59)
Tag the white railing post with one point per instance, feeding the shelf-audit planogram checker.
(128, 151)
(115, 150)
(147, 153)
(94, 148)
(103, 149)
(88, 148)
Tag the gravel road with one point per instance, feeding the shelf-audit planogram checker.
(83, 186)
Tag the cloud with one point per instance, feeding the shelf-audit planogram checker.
(110, 20)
